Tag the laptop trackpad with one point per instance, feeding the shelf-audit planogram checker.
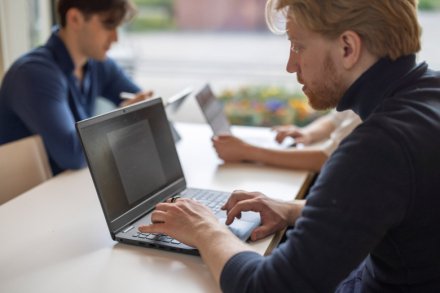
(241, 229)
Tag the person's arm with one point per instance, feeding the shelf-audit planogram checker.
(113, 81)
(316, 131)
(39, 96)
(233, 149)
(361, 194)
(194, 224)
(136, 98)
(360, 197)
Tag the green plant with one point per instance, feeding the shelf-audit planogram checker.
(150, 23)
(266, 106)
(153, 15)
(154, 2)
(429, 4)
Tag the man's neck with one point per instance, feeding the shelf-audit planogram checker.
(365, 62)
(78, 59)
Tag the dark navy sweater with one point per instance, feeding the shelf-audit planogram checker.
(376, 199)
(40, 95)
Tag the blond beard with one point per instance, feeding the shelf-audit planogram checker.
(328, 94)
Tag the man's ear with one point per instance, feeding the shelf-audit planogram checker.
(74, 18)
(350, 44)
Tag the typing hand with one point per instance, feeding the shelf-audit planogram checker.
(300, 136)
(186, 220)
(275, 215)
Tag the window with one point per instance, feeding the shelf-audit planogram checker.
(24, 24)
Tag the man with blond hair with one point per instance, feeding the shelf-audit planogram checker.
(371, 221)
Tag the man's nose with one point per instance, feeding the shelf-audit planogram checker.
(292, 63)
(115, 35)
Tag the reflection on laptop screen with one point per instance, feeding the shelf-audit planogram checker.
(133, 159)
(125, 158)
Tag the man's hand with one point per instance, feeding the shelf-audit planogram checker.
(186, 220)
(297, 133)
(139, 97)
(275, 215)
(230, 148)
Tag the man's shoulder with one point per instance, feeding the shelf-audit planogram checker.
(38, 63)
(376, 139)
(40, 55)
(402, 132)
(35, 69)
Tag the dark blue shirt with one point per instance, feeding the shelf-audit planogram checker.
(377, 197)
(41, 95)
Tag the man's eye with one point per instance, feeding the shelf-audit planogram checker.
(295, 48)
(109, 24)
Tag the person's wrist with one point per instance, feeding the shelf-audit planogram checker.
(206, 233)
(294, 212)
(254, 154)
(247, 152)
(212, 236)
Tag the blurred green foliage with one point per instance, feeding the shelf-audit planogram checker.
(429, 4)
(153, 15)
(150, 23)
(159, 14)
(267, 106)
(153, 2)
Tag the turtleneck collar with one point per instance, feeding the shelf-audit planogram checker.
(380, 81)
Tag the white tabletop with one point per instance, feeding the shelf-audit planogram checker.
(55, 239)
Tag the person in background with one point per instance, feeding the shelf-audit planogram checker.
(371, 220)
(51, 87)
(329, 129)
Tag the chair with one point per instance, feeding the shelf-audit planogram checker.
(23, 165)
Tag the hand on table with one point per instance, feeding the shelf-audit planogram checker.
(300, 136)
(139, 97)
(230, 148)
(275, 215)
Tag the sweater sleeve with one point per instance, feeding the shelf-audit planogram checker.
(360, 195)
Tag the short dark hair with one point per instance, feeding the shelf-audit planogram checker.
(116, 11)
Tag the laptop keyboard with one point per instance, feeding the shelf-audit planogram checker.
(212, 199)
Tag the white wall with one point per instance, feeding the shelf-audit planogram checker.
(17, 17)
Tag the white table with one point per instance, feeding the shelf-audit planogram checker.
(54, 237)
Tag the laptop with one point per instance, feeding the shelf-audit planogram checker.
(212, 109)
(172, 105)
(134, 165)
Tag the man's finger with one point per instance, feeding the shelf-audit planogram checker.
(236, 196)
(242, 206)
(158, 217)
(153, 228)
(262, 232)
(145, 94)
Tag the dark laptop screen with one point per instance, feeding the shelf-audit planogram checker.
(131, 155)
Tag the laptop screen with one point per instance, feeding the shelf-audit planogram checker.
(213, 111)
(131, 155)
(175, 102)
